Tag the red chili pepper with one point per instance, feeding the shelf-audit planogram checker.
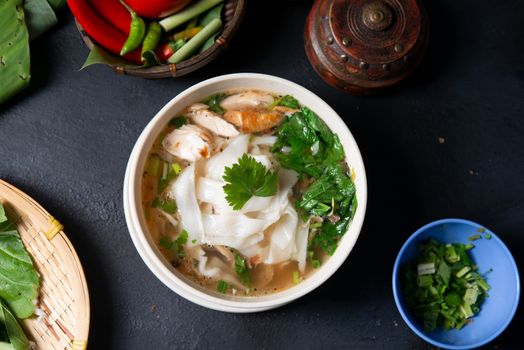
(114, 13)
(165, 51)
(102, 32)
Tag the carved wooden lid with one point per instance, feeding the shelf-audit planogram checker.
(362, 46)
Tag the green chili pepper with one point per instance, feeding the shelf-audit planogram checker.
(152, 38)
(137, 30)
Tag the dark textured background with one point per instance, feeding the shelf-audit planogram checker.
(66, 141)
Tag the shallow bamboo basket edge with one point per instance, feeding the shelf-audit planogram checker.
(63, 295)
(233, 15)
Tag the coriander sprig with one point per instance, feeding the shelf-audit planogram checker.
(248, 178)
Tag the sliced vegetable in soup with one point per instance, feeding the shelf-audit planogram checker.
(247, 193)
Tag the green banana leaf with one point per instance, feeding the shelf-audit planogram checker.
(39, 17)
(11, 334)
(14, 49)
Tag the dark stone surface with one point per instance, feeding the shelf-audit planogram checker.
(66, 141)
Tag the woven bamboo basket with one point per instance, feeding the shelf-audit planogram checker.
(63, 295)
(233, 14)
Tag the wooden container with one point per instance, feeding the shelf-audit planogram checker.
(63, 296)
(232, 16)
(363, 46)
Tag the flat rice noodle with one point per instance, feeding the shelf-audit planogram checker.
(282, 237)
(233, 242)
(232, 230)
(279, 210)
(211, 191)
(230, 155)
(264, 140)
(300, 254)
(286, 180)
(256, 203)
(184, 193)
(263, 159)
(213, 267)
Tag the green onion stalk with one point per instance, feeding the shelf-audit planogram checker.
(171, 22)
(192, 45)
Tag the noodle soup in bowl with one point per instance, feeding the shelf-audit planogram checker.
(245, 192)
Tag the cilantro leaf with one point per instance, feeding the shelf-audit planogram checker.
(248, 178)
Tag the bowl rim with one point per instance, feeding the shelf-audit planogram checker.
(397, 292)
(248, 304)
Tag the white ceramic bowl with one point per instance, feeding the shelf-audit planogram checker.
(136, 221)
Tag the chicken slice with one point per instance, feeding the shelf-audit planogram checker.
(200, 114)
(250, 121)
(248, 99)
(188, 142)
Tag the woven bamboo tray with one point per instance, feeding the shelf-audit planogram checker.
(63, 295)
(233, 14)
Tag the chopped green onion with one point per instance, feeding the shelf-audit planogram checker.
(169, 173)
(471, 296)
(315, 263)
(176, 168)
(426, 269)
(177, 122)
(315, 225)
(169, 206)
(425, 281)
(310, 254)
(242, 270)
(222, 286)
(449, 296)
(451, 254)
(176, 245)
(153, 164)
(474, 237)
(166, 243)
(465, 308)
(487, 236)
(483, 284)
(194, 241)
(463, 271)
(296, 277)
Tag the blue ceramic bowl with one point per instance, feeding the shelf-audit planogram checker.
(495, 313)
